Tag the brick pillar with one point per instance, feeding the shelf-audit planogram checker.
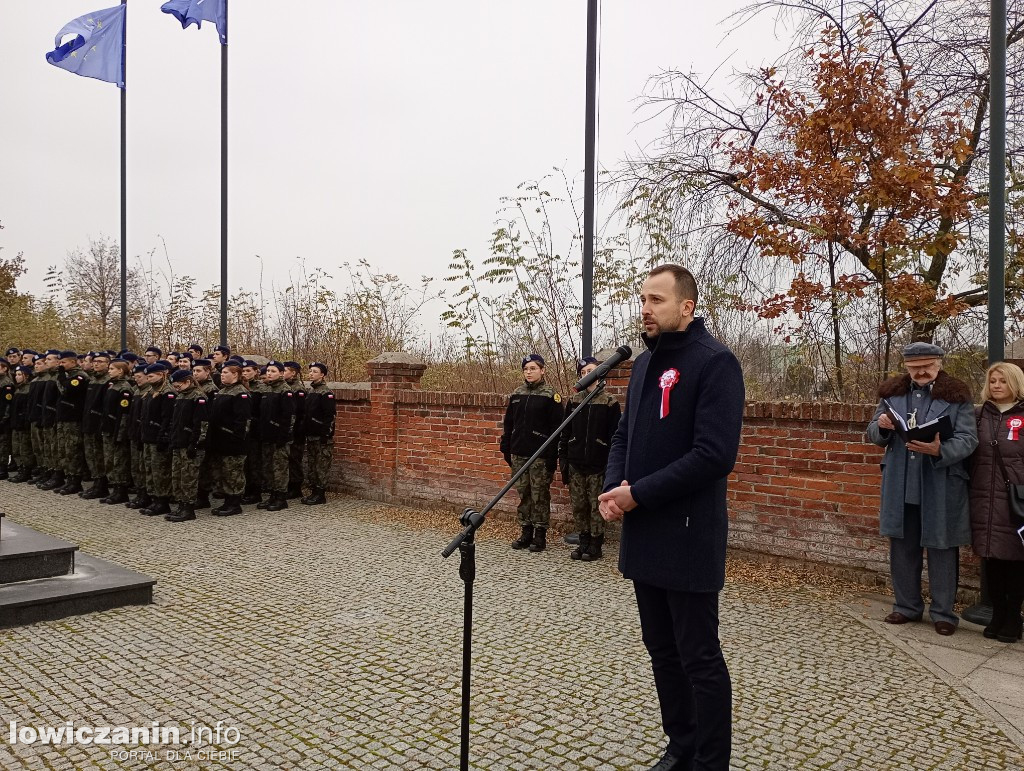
(618, 377)
(389, 374)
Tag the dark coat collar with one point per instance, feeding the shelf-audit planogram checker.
(672, 341)
(945, 388)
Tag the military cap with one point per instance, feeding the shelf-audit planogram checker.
(156, 367)
(154, 349)
(320, 366)
(12, 350)
(100, 355)
(202, 363)
(249, 363)
(30, 352)
(180, 374)
(119, 360)
(275, 363)
(129, 356)
(293, 365)
(26, 371)
(111, 353)
(196, 347)
(175, 354)
(533, 357)
(52, 352)
(237, 360)
(584, 362)
(4, 363)
(921, 350)
(139, 369)
(68, 355)
(223, 349)
(185, 355)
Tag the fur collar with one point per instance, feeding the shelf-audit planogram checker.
(946, 387)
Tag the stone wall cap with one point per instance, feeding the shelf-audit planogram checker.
(397, 357)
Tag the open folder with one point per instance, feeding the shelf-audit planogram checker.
(923, 432)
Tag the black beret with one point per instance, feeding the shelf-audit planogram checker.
(293, 365)
(26, 371)
(533, 357)
(202, 363)
(275, 363)
(584, 362)
(12, 350)
(223, 349)
(320, 366)
(154, 349)
(68, 355)
(180, 374)
(196, 347)
(156, 368)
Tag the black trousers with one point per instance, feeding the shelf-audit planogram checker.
(680, 630)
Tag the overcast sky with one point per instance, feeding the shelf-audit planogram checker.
(384, 130)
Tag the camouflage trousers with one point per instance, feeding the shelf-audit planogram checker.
(117, 463)
(36, 435)
(6, 446)
(69, 445)
(583, 491)
(184, 476)
(534, 488)
(137, 464)
(231, 472)
(254, 468)
(275, 468)
(317, 460)
(158, 471)
(296, 468)
(21, 449)
(92, 444)
(209, 474)
(48, 437)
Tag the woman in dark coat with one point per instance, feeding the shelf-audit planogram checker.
(993, 526)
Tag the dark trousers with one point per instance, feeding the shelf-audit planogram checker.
(680, 630)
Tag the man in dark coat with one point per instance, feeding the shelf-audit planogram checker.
(666, 481)
(924, 485)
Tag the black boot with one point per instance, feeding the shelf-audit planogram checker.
(278, 501)
(525, 539)
(3, 472)
(250, 498)
(39, 474)
(25, 475)
(294, 491)
(229, 508)
(202, 502)
(155, 509)
(584, 543)
(593, 551)
(185, 512)
(998, 615)
(1013, 625)
(315, 497)
(52, 482)
(142, 500)
(118, 494)
(73, 486)
(540, 539)
(99, 489)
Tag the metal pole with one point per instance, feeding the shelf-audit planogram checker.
(124, 187)
(997, 183)
(224, 193)
(589, 189)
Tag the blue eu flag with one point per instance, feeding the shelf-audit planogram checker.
(97, 50)
(197, 11)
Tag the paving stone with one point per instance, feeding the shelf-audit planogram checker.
(332, 638)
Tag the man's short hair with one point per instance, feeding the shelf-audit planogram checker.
(686, 284)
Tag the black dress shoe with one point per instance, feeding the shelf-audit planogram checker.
(898, 618)
(670, 762)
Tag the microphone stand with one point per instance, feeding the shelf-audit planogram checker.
(471, 521)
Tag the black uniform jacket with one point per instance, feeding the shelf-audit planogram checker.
(229, 414)
(319, 411)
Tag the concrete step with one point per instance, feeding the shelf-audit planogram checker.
(27, 554)
(94, 586)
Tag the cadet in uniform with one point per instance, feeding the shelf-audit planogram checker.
(188, 440)
(140, 396)
(36, 390)
(21, 426)
(230, 412)
(116, 403)
(72, 384)
(156, 427)
(13, 359)
(50, 395)
(292, 376)
(318, 429)
(201, 371)
(219, 357)
(533, 414)
(92, 420)
(277, 422)
(254, 454)
(6, 397)
(582, 456)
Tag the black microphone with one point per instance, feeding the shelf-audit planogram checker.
(622, 353)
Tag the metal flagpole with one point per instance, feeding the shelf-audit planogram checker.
(589, 202)
(224, 185)
(997, 183)
(124, 185)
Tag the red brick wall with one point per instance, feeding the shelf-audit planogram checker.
(805, 485)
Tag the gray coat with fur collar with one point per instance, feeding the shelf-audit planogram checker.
(945, 518)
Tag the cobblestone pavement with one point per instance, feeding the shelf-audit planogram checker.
(330, 637)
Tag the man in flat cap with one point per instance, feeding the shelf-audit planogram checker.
(924, 484)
